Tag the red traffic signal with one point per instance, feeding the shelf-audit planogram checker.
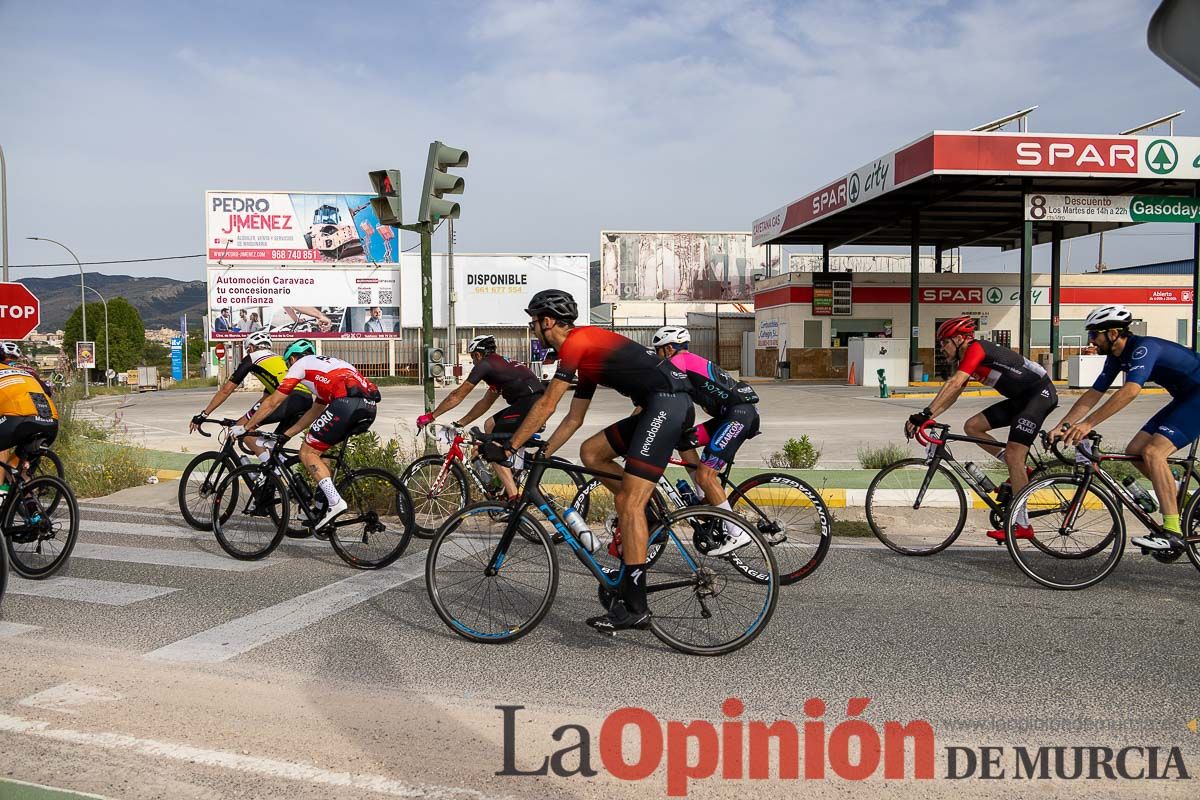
(20, 311)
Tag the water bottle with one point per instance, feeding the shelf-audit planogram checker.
(1140, 495)
(518, 461)
(984, 481)
(580, 528)
(687, 492)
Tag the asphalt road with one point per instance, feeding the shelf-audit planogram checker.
(157, 667)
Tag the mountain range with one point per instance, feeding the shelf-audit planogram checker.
(160, 301)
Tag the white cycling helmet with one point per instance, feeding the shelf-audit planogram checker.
(10, 350)
(258, 340)
(671, 334)
(1106, 317)
(482, 344)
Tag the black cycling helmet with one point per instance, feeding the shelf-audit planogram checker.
(553, 303)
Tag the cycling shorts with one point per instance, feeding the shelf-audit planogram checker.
(509, 419)
(1178, 420)
(647, 438)
(722, 437)
(1023, 416)
(289, 412)
(18, 431)
(344, 417)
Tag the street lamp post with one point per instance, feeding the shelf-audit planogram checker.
(4, 214)
(82, 298)
(107, 380)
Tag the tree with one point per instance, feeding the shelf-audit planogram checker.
(125, 329)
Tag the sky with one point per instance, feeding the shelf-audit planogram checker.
(578, 116)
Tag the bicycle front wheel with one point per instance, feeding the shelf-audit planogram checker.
(250, 512)
(1191, 528)
(378, 524)
(792, 518)
(480, 603)
(199, 482)
(437, 491)
(1062, 555)
(916, 509)
(41, 525)
(709, 605)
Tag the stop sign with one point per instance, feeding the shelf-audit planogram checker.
(20, 311)
(220, 350)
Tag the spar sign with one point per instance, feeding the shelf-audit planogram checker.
(1111, 208)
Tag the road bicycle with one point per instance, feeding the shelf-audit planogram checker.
(252, 508)
(204, 474)
(442, 484)
(917, 506)
(1078, 521)
(491, 585)
(39, 516)
(791, 515)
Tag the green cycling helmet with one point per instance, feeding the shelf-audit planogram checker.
(299, 349)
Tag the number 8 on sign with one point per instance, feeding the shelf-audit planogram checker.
(1037, 207)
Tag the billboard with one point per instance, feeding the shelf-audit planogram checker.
(811, 262)
(667, 266)
(378, 302)
(282, 227)
(85, 355)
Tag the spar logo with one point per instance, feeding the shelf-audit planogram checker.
(1161, 157)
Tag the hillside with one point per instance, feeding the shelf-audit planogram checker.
(159, 300)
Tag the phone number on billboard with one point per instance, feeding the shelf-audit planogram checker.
(292, 255)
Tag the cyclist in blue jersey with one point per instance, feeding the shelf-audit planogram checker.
(1142, 358)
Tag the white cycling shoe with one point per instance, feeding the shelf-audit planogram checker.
(740, 538)
(1153, 542)
(333, 513)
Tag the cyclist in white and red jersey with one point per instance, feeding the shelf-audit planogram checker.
(343, 405)
(1029, 398)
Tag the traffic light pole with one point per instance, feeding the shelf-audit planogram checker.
(427, 306)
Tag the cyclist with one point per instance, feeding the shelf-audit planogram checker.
(1142, 358)
(600, 357)
(734, 419)
(269, 368)
(516, 383)
(1029, 397)
(26, 411)
(343, 405)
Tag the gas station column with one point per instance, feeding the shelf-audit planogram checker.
(914, 291)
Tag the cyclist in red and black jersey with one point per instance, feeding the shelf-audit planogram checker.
(1029, 398)
(600, 357)
(516, 383)
(343, 405)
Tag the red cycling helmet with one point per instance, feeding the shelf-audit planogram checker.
(958, 326)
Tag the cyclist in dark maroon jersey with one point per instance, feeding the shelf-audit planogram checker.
(516, 383)
(1029, 398)
(600, 357)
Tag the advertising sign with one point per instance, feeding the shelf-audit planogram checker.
(279, 227)
(1114, 208)
(177, 358)
(768, 333)
(85, 355)
(678, 266)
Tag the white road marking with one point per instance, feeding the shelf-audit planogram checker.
(172, 532)
(86, 590)
(190, 559)
(269, 767)
(51, 789)
(66, 697)
(10, 629)
(243, 634)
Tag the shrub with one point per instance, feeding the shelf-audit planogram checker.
(796, 454)
(368, 450)
(93, 466)
(879, 457)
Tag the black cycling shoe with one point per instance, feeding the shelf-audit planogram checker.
(620, 618)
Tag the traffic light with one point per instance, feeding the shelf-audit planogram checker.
(386, 203)
(435, 362)
(439, 182)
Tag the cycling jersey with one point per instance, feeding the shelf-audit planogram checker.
(328, 379)
(713, 389)
(1148, 358)
(22, 395)
(510, 380)
(1002, 368)
(266, 366)
(604, 358)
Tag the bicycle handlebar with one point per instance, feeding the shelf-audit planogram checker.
(224, 423)
(921, 434)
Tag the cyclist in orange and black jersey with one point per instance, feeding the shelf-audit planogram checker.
(26, 410)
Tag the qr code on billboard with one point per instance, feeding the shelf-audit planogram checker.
(385, 297)
(364, 296)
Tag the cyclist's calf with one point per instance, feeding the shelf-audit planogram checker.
(631, 501)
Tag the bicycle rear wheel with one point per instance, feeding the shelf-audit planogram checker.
(709, 605)
(1060, 557)
(250, 512)
(488, 606)
(792, 518)
(41, 526)
(1191, 528)
(199, 481)
(436, 492)
(915, 509)
(377, 526)
(3, 573)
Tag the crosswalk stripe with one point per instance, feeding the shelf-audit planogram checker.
(190, 559)
(10, 629)
(172, 532)
(86, 590)
(243, 634)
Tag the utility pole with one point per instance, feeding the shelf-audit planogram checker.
(451, 296)
(4, 214)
